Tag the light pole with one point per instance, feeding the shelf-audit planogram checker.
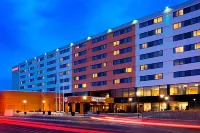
(130, 100)
(43, 102)
(194, 103)
(84, 98)
(24, 106)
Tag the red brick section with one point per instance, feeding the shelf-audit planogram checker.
(109, 60)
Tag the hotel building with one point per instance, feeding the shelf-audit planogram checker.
(151, 63)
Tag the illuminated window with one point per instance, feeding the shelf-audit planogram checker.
(75, 86)
(67, 64)
(116, 52)
(61, 59)
(77, 78)
(84, 85)
(144, 45)
(177, 25)
(143, 67)
(115, 43)
(157, 20)
(68, 72)
(94, 75)
(129, 69)
(196, 33)
(180, 12)
(104, 64)
(116, 81)
(158, 31)
(197, 46)
(75, 55)
(158, 76)
(179, 49)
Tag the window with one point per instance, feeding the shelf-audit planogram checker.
(187, 73)
(158, 31)
(151, 66)
(98, 48)
(115, 43)
(101, 56)
(122, 70)
(51, 69)
(64, 87)
(80, 61)
(51, 89)
(123, 31)
(40, 65)
(40, 59)
(22, 71)
(155, 90)
(158, 20)
(129, 69)
(177, 25)
(122, 80)
(51, 55)
(186, 10)
(151, 22)
(80, 69)
(147, 91)
(143, 67)
(40, 78)
(121, 51)
(22, 87)
(99, 83)
(196, 33)
(64, 65)
(30, 62)
(122, 61)
(116, 52)
(151, 77)
(185, 35)
(30, 74)
(179, 49)
(80, 86)
(64, 51)
(51, 75)
(51, 62)
(197, 46)
(51, 82)
(151, 33)
(100, 74)
(98, 39)
(23, 65)
(151, 55)
(30, 86)
(22, 82)
(80, 53)
(30, 80)
(40, 72)
(30, 68)
(82, 77)
(64, 58)
(100, 65)
(64, 80)
(188, 60)
(151, 44)
(80, 46)
(65, 73)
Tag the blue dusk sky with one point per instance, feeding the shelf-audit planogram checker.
(29, 28)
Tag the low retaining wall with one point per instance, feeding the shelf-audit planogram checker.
(173, 115)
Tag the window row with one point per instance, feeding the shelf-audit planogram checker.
(98, 48)
(98, 39)
(186, 10)
(64, 51)
(151, 77)
(99, 83)
(151, 55)
(64, 80)
(100, 74)
(151, 22)
(151, 66)
(65, 73)
(80, 69)
(122, 41)
(82, 77)
(187, 73)
(123, 31)
(64, 65)
(80, 46)
(185, 48)
(51, 82)
(187, 22)
(151, 44)
(80, 86)
(64, 58)
(123, 70)
(122, 80)
(122, 51)
(64, 87)
(51, 62)
(100, 65)
(51, 69)
(101, 56)
(151, 33)
(186, 35)
(122, 61)
(80, 53)
(188, 60)
(80, 61)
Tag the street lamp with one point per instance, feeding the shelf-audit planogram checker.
(84, 98)
(43, 102)
(24, 105)
(130, 100)
(194, 103)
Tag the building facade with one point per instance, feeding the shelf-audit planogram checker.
(152, 63)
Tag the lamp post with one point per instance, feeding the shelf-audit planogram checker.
(130, 100)
(194, 103)
(84, 98)
(24, 106)
(43, 102)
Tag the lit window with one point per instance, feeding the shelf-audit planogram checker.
(94, 75)
(84, 85)
(21, 82)
(75, 86)
(67, 64)
(144, 45)
(158, 31)
(116, 52)
(116, 81)
(179, 49)
(158, 76)
(129, 69)
(197, 46)
(177, 25)
(196, 33)
(143, 67)
(116, 43)
(180, 12)
(77, 78)
(157, 20)
(68, 72)
(75, 55)
(104, 64)
(160, 19)
(61, 59)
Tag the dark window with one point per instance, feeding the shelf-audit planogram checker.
(64, 65)
(187, 73)
(121, 61)
(98, 39)
(80, 46)
(119, 71)
(123, 31)
(30, 62)
(151, 44)
(96, 66)
(82, 77)
(22, 76)
(188, 60)
(40, 65)
(23, 65)
(51, 75)
(151, 77)
(64, 80)
(80, 69)
(98, 48)
(151, 33)
(99, 83)
(125, 50)
(51, 69)
(151, 55)
(40, 84)
(40, 59)
(51, 55)
(65, 58)
(79, 61)
(64, 87)
(64, 51)
(151, 66)
(101, 56)
(51, 89)
(40, 78)
(183, 36)
(51, 62)
(125, 40)
(82, 53)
